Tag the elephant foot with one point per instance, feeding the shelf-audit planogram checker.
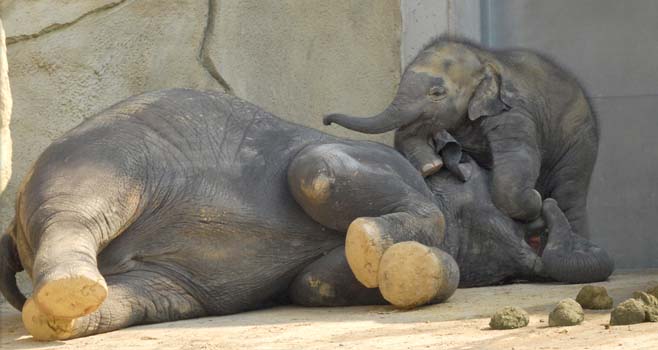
(43, 326)
(431, 168)
(365, 244)
(411, 274)
(71, 296)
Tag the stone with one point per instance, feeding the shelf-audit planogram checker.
(567, 313)
(650, 304)
(594, 298)
(630, 311)
(653, 291)
(509, 318)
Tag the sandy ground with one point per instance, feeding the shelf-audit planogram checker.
(460, 323)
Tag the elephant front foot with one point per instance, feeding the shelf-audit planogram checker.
(365, 244)
(412, 274)
(408, 273)
(43, 326)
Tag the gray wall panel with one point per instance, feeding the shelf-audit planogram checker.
(623, 200)
(612, 45)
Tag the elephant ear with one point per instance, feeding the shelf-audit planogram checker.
(486, 99)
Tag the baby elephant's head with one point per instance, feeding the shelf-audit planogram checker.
(446, 84)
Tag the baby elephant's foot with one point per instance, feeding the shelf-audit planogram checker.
(365, 243)
(43, 326)
(432, 167)
(412, 274)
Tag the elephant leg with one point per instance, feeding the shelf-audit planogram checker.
(67, 213)
(569, 184)
(374, 195)
(512, 137)
(329, 281)
(136, 297)
(419, 149)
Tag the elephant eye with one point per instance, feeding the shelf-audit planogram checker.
(437, 91)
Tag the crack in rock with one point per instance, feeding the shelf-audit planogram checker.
(204, 57)
(58, 26)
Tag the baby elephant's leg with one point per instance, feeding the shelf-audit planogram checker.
(135, 297)
(374, 195)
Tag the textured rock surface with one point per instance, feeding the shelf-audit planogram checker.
(567, 313)
(509, 318)
(653, 291)
(650, 304)
(594, 297)
(5, 116)
(304, 59)
(299, 59)
(630, 311)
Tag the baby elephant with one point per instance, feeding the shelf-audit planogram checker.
(512, 110)
(179, 204)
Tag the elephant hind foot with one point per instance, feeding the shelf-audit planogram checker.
(71, 296)
(133, 298)
(412, 274)
(43, 326)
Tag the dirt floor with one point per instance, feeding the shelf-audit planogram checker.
(460, 323)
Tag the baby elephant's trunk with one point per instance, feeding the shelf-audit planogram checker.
(10, 265)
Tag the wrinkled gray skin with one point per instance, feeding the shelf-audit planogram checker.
(512, 110)
(194, 203)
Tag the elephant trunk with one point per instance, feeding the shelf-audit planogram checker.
(391, 118)
(568, 257)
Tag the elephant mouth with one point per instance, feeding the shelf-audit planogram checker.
(537, 240)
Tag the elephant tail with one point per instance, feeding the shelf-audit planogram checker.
(10, 265)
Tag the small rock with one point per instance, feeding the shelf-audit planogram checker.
(594, 297)
(509, 318)
(650, 304)
(653, 291)
(630, 311)
(567, 313)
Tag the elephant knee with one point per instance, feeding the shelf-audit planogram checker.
(310, 178)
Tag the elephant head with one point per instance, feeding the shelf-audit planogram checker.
(448, 83)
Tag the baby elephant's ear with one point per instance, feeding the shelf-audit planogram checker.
(486, 98)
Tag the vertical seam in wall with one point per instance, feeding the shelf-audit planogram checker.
(451, 16)
(485, 23)
(402, 31)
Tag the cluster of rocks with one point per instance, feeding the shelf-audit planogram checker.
(642, 307)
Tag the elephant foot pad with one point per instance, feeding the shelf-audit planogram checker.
(43, 326)
(410, 275)
(71, 297)
(365, 244)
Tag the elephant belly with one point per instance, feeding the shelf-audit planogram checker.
(236, 251)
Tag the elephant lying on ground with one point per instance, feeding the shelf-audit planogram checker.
(512, 110)
(179, 204)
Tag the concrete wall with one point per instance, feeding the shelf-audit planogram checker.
(612, 46)
(298, 59)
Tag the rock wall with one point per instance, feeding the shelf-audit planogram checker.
(298, 59)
